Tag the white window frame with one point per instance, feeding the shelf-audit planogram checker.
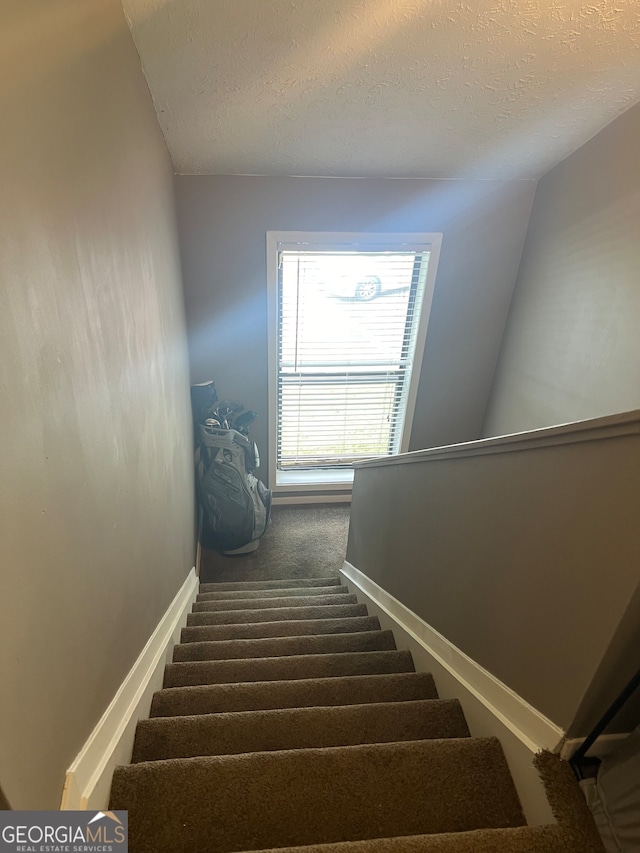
(340, 480)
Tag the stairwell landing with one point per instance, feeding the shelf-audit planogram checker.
(288, 719)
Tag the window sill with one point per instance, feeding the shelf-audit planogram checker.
(336, 479)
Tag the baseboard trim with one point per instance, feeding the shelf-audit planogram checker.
(318, 498)
(530, 726)
(88, 779)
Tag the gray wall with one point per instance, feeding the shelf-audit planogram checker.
(572, 346)
(96, 491)
(223, 222)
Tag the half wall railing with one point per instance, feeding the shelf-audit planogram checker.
(523, 551)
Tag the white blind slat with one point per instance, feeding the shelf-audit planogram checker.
(347, 328)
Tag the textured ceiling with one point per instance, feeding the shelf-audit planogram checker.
(395, 88)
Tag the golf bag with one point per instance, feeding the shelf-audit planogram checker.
(236, 505)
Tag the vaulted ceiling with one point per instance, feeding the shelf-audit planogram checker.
(387, 88)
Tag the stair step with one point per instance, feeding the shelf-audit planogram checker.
(520, 839)
(290, 628)
(262, 603)
(285, 583)
(287, 668)
(239, 617)
(309, 796)
(310, 692)
(271, 647)
(297, 728)
(294, 592)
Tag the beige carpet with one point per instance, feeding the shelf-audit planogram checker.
(275, 731)
(301, 542)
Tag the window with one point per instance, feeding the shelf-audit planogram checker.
(348, 322)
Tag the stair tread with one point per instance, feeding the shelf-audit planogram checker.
(288, 720)
(268, 647)
(262, 603)
(229, 617)
(520, 839)
(309, 692)
(278, 669)
(273, 583)
(245, 594)
(297, 728)
(281, 628)
(308, 796)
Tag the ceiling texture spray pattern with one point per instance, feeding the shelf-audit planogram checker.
(387, 88)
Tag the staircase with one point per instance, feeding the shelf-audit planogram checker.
(288, 718)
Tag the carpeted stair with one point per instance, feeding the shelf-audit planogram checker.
(289, 720)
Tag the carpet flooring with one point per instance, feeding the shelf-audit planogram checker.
(300, 542)
(288, 720)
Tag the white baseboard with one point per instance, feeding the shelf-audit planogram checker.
(88, 780)
(492, 709)
(318, 498)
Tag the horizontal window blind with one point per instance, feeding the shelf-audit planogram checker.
(346, 340)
